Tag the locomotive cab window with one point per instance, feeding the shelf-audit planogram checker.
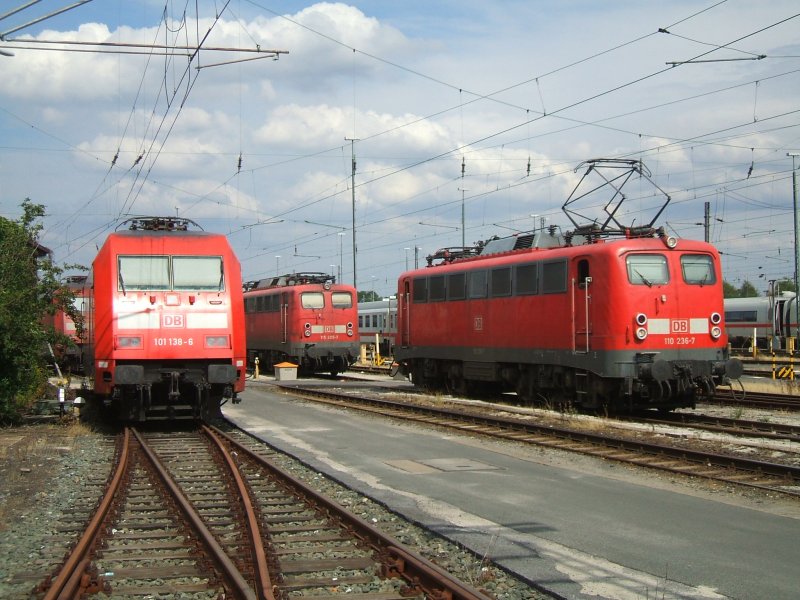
(647, 269)
(698, 269)
(143, 273)
(583, 272)
(342, 300)
(312, 300)
(201, 273)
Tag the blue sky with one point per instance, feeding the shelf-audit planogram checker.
(421, 86)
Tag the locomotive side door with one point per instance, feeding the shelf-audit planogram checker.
(284, 310)
(581, 306)
(405, 300)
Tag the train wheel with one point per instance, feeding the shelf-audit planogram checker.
(524, 389)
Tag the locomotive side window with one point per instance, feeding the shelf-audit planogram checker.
(456, 286)
(698, 269)
(554, 277)
(342, 300)
(312, 300)
(420, 290)
(526, 279)
(197, 273)
(583, 271)
(477, 284)
(143, 273)
(436, 289)
(647, 269)
(501, 282)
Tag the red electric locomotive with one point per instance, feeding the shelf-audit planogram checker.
(583, 319)
(169, 321)
(303, 318)
(70, 350)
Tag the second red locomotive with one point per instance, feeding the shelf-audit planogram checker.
(303, 318)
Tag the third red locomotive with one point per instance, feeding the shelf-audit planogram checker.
(604, 317)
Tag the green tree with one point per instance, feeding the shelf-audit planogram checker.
(29, 291)
(748, 290)
(369, 296)
(729, 290)
(785, 285)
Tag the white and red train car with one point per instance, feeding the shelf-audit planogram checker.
(595, 322)
(168, 321)
(377, 327)
(306, 319)
(763, 321)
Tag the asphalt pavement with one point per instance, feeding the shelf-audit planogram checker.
(580, 527)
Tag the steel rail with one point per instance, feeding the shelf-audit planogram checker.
(739, 427)
(241, 587)
(511, 428)
(398, 560)
(67, 582)
(262, 577)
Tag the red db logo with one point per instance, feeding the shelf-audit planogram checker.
(172, 321)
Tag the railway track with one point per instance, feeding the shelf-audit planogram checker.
(773, 477)
(204, 514)
(731, 397)
(727, 426)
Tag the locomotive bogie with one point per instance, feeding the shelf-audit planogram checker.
(617, 324)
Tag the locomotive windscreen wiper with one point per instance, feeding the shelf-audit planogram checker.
(121, 283)
(644, 279)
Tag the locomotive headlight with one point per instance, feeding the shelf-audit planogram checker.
(307, 326)
(641, 319)
(715, 318)
(218, 341)
(349, 332)
(129, 342)
(307, 333)
(671, 242)
(716, 332)
(641, 333)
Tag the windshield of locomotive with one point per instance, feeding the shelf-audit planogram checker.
(312, 300)
(342, 300)
(198, 273)
(698, 269)
(647, 269)
(143, 273)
